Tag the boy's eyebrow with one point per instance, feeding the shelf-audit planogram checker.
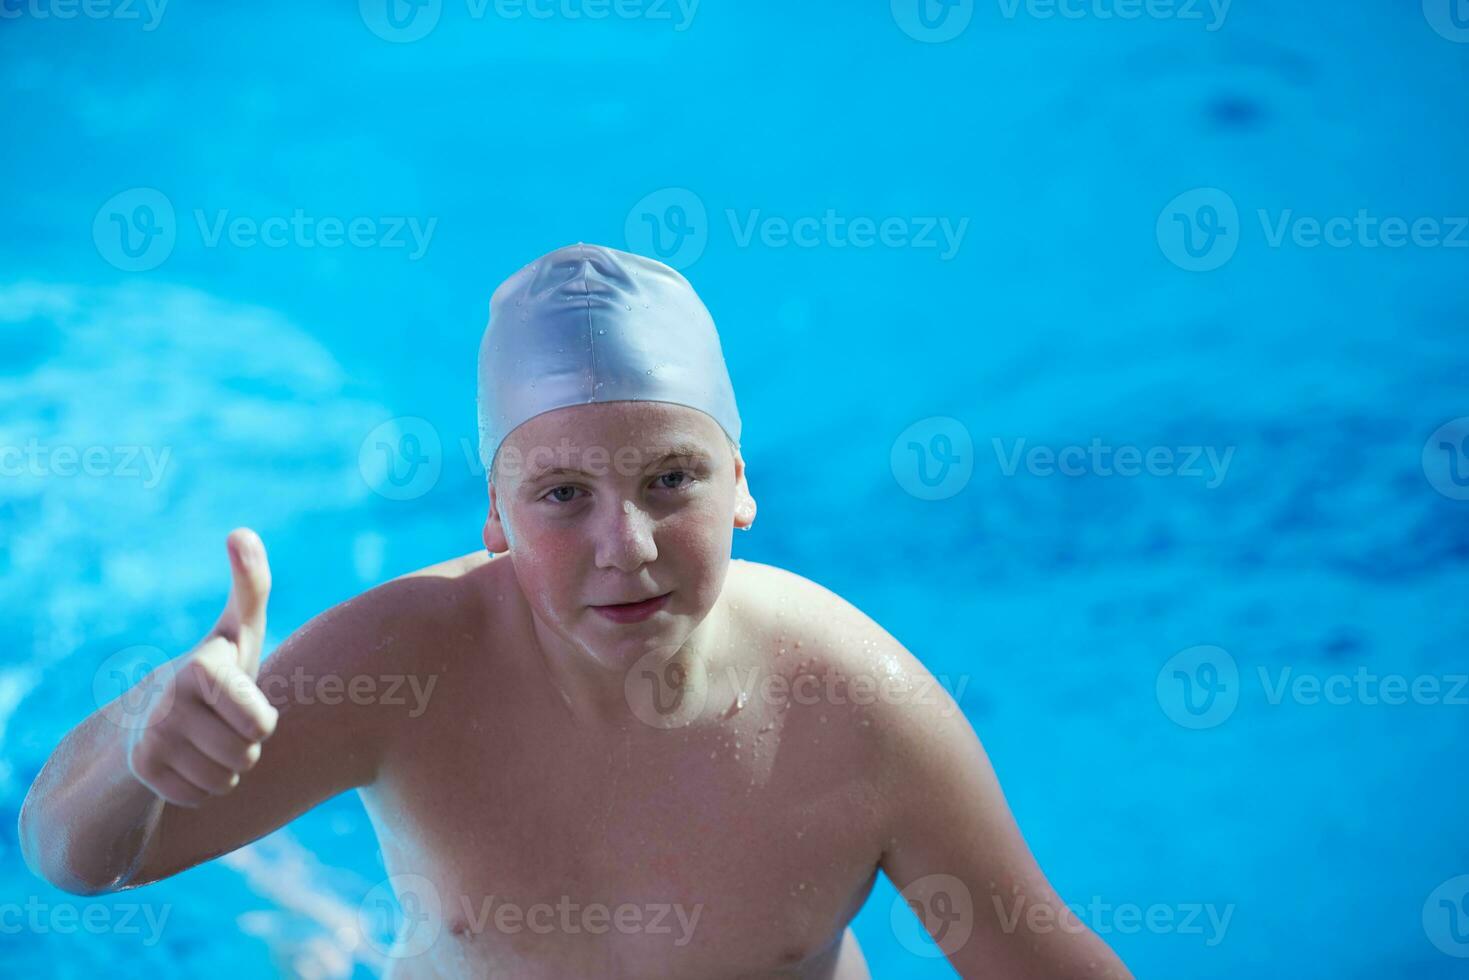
(681, 450)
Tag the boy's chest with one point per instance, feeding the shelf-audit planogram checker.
(734, 850)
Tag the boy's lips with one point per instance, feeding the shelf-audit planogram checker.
(632, 612)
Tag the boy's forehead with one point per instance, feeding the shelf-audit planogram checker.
(645, 426)
(625, 437)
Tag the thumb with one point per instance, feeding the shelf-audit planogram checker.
(243, 619)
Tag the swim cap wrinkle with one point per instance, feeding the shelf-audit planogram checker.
(586, 323)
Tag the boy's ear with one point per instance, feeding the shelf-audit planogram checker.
(496, 541)
(744, 514)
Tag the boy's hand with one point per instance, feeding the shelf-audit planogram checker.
(205, 716)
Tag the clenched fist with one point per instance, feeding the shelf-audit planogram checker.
(205, 717)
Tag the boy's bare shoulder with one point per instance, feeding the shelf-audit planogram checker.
(831, 630)
(391, 620)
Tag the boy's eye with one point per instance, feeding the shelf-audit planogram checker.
(676, 480)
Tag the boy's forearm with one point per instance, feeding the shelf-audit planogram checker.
(87, 818)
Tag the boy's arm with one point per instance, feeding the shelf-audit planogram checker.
(209, 762)
(953, 848)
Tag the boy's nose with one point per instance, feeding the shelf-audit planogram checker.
(625, 538)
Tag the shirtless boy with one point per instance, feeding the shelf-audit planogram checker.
(633, 756)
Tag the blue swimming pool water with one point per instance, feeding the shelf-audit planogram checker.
(1097, 228)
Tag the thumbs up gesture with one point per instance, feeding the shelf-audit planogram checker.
(205, 717)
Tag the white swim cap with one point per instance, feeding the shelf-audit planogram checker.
(587, 324)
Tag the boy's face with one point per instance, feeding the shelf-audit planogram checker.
(594, 511)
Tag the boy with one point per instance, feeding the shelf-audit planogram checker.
(636, 757)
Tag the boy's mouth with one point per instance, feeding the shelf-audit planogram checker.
(632, 612)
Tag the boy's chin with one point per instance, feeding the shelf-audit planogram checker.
(617, 647)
